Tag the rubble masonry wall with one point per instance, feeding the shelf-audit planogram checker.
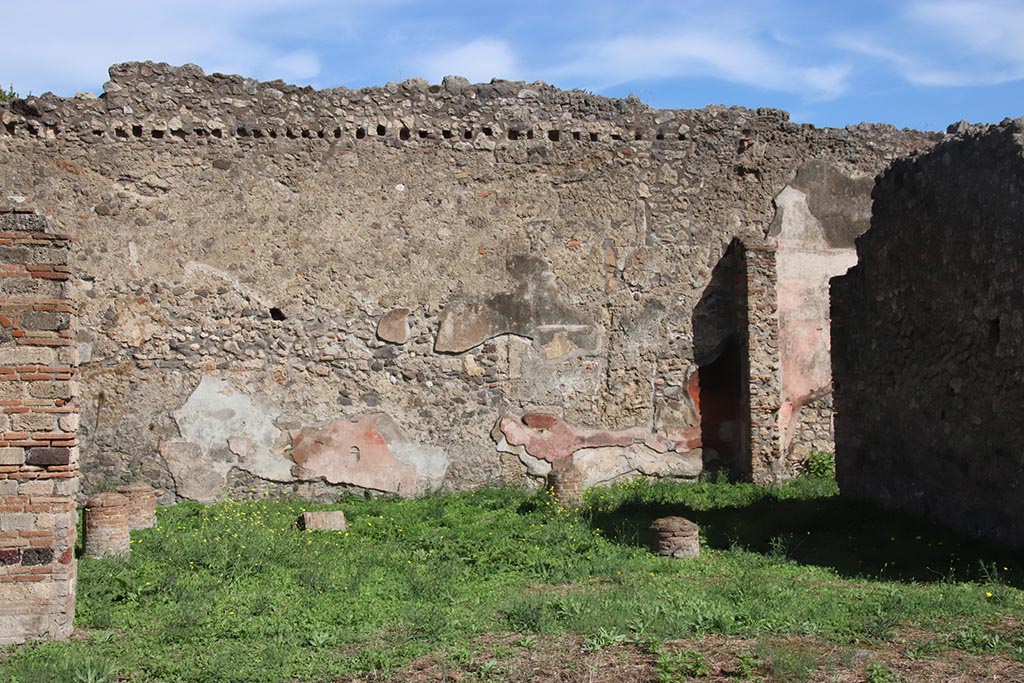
(927, 339)
(284, 289)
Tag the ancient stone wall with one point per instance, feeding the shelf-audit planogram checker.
(927, 341)
(289, 289)
(38, 424)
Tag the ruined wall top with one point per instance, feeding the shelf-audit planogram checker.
(996, 148)
(144, 99)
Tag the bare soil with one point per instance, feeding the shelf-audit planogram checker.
(567, 659)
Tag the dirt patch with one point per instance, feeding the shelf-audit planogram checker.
(571, 659)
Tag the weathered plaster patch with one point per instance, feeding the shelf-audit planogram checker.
(545, 442)
(817, 217)
(535, 309)
(369, 451)
(221, 428)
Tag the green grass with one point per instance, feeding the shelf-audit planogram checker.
(233, 592)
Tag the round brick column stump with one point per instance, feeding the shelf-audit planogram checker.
(567, 487)
(107, 525)
(675, 537)
(141, 504)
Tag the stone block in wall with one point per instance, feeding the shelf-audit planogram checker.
(44, 456)
(12, 456)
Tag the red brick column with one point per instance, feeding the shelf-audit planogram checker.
(38, 425)
(141, 504)
(566, 485)
(675, 537)
(107, 525)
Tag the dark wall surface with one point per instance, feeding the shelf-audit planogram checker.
(928, 344)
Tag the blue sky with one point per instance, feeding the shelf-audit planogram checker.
(917, 63)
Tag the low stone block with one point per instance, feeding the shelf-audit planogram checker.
(325, 520)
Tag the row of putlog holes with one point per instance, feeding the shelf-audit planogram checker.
(361, 133)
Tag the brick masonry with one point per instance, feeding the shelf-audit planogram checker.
(927, 343)
(38, 432)
(566, 485)
(675, 537)
(108, 525)
(141, 504)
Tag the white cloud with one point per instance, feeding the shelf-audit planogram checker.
(950, 42)
(735, 56)
(301, 65)
(479, 60)
(991, 28)
(85, 38)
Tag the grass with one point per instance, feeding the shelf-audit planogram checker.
(233, 592)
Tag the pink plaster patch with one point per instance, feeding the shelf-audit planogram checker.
(351, 452)
(551, 438)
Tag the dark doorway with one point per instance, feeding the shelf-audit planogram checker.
(719, 344)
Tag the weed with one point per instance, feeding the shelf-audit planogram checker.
(51, 666)
(876, 673)
(8, 94)
(747, 665)
(922, 649)
(527, 642)
(673, 667)
(821, 464)
(602, 639)
(793, 663)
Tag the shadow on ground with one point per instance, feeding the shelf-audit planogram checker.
(856, 540)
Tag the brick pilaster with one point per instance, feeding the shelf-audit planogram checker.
(38, 432)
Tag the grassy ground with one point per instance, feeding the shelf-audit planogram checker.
(499, 585)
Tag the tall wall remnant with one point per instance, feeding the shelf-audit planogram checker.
(398, 268)
(927, 340)
(38, 425)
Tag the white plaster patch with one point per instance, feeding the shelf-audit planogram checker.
(219, 419)
(430, 463)
(799, 225)
(602, 465)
